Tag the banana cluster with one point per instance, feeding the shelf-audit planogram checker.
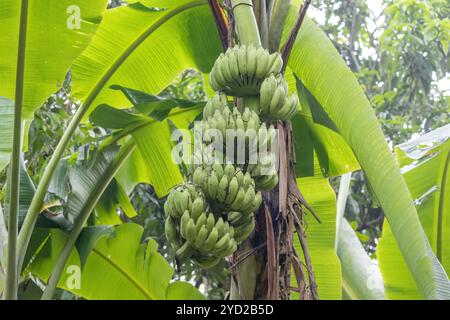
(218, 103)
(264, 173)
(240, 71)
(198, 233)
(182, 198)
(228, 188)
(274, 101)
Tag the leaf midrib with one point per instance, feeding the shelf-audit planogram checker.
(126, 274)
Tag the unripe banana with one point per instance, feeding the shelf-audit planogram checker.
(278, 99)
(236, 205)
(223, 242)
(201, 237)
(220, 226)
(233, 188)
(242, 233)
(171, 232)
(225, 68)
(222, 190)
(262, 64)
(251, 62)
(198, 176)
(198, 206)
(210, 222)
(191, 232)
(233, 65)
(201, 221)
(184, 222)
(207, 261)
(213, 185)
(211, 241)
(184, 252)
(248, 181)
(229, 171)
(276, 63)
(248, 199)
(242, 62)
(234, 216)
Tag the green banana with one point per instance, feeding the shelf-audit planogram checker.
(213, 185)
(210, 242)
(222, 189)
(183, 224)
(190, 231)
(201, 236)
(233, 188)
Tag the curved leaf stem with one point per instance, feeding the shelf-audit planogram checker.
(34, 209)
(111, 171)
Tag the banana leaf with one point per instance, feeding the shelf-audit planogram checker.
(56, 33)
(322, 71)
(426, 162)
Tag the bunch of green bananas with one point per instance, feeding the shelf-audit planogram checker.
(217, 103)
(182, 198)
(240, 71)
(199, 234)
(274, 101)
(227, 187)
(264, 173)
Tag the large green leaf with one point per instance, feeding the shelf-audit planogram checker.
(322, 71)
(427, 162)
(54, 38)
(139, 47)
(321, 236)
(361, 277)
(6, 131)
(119, 267)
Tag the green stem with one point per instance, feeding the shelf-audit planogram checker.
(35, 206)
(111, 171)
(246, 25)
(11, 271)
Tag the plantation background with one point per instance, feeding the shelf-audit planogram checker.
(400, 57)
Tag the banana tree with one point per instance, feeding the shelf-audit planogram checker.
(145, 45)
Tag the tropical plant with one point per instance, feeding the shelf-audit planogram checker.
(72, 224)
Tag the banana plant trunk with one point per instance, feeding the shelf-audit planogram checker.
(261, 268)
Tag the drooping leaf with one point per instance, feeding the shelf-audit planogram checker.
(146, 49)
(157, 107)
(66, 23)
(316, 62)
(427, 162)
(361, 277)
